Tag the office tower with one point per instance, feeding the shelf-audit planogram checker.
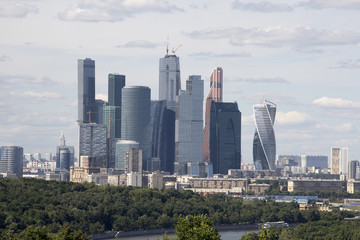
(64, 154)
(169, 80)
(215, 94)
(93, 143)
(135, 118)
(115, 84)
(97, 116)
(11, 160)
(225, 137)
(319, 162)
(189, 124)
(264, 145)
(339, 160)
(48, 156)
(353, 165)
(162, 127)
(86, 89)
(37, 156)
(122, 155)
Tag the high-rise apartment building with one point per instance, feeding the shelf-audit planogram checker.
(135, 118)
(162, 126)
(264, 145)
(64, 154)
(225, 137)
(339, 160)
(317, 161)
(93, 143)
(189, 124)
(121, 153)
(86, 90)
(169, 80)
(215, 94)
(11, 160)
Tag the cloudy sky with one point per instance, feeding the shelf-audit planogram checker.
(303, 56)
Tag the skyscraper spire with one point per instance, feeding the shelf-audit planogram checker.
(62, 138)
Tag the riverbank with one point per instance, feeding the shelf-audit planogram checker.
(114, 234)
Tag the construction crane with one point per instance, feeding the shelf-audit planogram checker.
(174, 50)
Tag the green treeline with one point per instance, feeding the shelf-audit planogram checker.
(321, 230)
(93, 209)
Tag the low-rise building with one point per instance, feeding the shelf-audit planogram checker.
(353, 186)
(258, 188)
(155, 180)
(306, 185)
(80, 174)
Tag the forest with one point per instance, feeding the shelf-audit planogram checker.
(93, 209)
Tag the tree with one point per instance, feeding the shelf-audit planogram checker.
(196, 228)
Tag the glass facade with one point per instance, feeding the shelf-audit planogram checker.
(169, 80)
(225, 137)
(215, 94)
(135, 118)
(264, 145)
(11, 160)
(121, 153)
(86, 89)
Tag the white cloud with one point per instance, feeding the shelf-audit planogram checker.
(140, 44)
(17, 10)
(40, 95)
(335, 103)
(349, 64)
(262, 7)
(114, 10)
(220, 55)
(102, 96)
(346, 127)
(279, 36)
(291, 118)
(343, 4)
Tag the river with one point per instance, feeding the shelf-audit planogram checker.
(234, 234)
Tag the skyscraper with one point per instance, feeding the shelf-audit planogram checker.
(11, 160)
(189, 124)
(339, 160)
(162, 126)
(135, 118)
(93, 143)
(353, 166)
(169, 80)
(86, 89)
(264, 145)
(121, 153)
(64, 154)
(225, 136)
(215, 94)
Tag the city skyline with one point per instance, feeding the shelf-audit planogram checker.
(298, 56)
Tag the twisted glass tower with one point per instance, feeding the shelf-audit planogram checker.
(264, 145)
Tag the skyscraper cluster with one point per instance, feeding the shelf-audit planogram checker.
(166, 134)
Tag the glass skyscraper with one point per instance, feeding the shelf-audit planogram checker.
(225, 136)
(86, 90)
(169, 80)
(135, 118)
(264, 145)
(64, 154)
(215, 94)
(11, 160)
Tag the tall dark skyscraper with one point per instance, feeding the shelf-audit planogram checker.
(135, 118)
(215, 94)
(169, 80)
(225, 136)
(11, 160)
(115, 85)
(86, 90)
(162, 128)
(264, 145)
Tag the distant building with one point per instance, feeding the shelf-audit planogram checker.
(353, 169)
(264, 145)
(225, 137)
(353, 186)
(135, 118)
(64, 154)
(162, 127)
(215, 94)
(319, 162)
(315, 185)
(339, 160)
(169, 80)
(288, 160)
(128, 156)
(11, 161)
(86, 90)
(93, 143)
(156, 180)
